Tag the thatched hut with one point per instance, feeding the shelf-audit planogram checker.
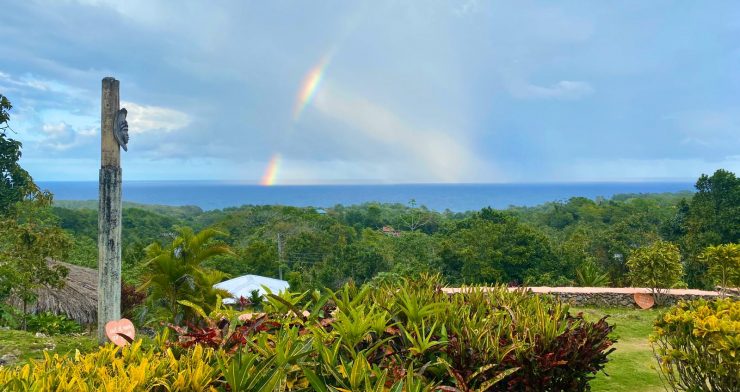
(78, 299)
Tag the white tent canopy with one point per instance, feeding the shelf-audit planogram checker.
(244, 285)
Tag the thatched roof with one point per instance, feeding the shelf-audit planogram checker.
(78, 299)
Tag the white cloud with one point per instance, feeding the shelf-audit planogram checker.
(564, 89)
(61, 136)
(145, 118)
(55, 129)
(93, 131)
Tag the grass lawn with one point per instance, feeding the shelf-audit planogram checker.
(25, 345)
(632, 366)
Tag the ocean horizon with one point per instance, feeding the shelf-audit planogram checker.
(210, 195)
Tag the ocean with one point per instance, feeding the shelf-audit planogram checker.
(210, 195)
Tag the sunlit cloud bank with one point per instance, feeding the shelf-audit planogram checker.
(147, 118)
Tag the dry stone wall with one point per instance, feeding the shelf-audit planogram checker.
(608, 296)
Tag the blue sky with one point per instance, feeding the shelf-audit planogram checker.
(410, 91)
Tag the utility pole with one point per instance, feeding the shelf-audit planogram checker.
(280, 256)
(114, 135)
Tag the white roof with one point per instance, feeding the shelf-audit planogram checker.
(243, 286)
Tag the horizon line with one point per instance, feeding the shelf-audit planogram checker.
(389, 183)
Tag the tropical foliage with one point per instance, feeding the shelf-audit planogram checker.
(657, 267)
(29, 233)
(133, 368)
(698, 345)
(408, 337)
(578, 241)
(175, 272)
(723, 263)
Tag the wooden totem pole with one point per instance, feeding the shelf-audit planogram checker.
(114, 136)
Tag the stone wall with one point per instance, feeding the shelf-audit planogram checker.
(609, 296)
(617, 300)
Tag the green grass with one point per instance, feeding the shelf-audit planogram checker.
(25, 345)
(632, 366)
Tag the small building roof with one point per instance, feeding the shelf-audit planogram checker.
(78, 298)
(244, 285)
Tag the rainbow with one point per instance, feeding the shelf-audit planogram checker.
(310, 84)
(271, 171)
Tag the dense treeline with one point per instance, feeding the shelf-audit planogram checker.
(578, 241)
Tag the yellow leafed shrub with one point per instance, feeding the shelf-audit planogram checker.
(698, 345)
(113, 369)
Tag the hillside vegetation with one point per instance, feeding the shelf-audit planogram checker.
(577, 241)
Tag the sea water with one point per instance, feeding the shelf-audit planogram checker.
(210, 195)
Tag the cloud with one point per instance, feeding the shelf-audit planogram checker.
(146, 118)
(61, 136)
(433, 153)
(55, 130)
(417, 91)
(564, 89)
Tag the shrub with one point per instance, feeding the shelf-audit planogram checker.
(52, 324)
(724, 265)
(657, 267)
(132, 368)
(408, 337)
(9, 316)
(491, 340)
(698, 345)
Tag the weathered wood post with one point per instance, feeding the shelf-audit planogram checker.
(114, 134)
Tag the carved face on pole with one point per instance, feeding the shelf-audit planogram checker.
(120, 129)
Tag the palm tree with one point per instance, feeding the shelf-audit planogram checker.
(175, 271)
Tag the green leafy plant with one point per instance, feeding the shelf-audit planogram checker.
(111, 368)
(697, 344)
(408, 337)
(657, 267)
(52, 324)
(175, 273)
(589, 275)
(724, 265)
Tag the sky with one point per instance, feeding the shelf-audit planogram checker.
(433, 91)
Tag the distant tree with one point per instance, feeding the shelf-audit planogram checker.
(657, 267)
(713, 218)
(258, 257)
(716, 206)
(29, 233)
(416, 217)
(15, 183)
(616, 243)
(488, 252)
(675, 227)
(29, 238)
(724, 265)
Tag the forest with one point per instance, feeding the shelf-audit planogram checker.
(571, 242)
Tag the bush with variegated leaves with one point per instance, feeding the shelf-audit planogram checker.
(698, 345)
(387, 337)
